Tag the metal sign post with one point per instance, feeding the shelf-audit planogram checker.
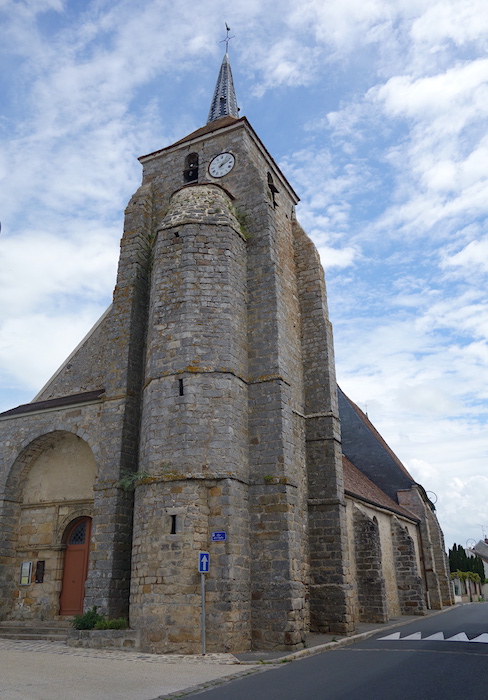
(202, 584)
(203, 567)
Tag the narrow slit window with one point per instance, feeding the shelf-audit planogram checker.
(273, 190)
(173, 524)
(181, 387)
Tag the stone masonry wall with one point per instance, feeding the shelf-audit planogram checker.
(194, 429)
(274, 385)
(331, 604)
(410, 587)
(412, 499)
(388, 560)
(56, 488)
(24, 439)
(440, 560)
(370, 581)
(277, 466)
(165, 600)
(40, 540)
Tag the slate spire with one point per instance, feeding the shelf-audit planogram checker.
(224, 101)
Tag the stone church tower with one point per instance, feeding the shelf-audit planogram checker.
(238, 401)
(204, 400)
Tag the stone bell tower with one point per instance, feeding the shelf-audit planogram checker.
(239, 410)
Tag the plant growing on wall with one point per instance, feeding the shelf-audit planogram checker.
(130, 480)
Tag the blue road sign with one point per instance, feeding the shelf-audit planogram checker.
(203, 562)
(219, 536)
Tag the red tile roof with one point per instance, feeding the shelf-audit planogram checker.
(357, 485)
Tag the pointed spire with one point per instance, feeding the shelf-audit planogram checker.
(224, 101)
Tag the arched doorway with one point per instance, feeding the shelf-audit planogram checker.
(75, 566)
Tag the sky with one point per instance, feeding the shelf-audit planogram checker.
(377, 113)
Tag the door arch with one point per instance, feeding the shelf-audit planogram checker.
(75, 568)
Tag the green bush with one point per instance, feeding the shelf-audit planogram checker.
(88, 620)
(118, 623)
(93, 620)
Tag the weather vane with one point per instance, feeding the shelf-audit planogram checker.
(227, 38)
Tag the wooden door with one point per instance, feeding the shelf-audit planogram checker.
(75, 567)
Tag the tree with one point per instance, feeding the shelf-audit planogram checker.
(459, 561)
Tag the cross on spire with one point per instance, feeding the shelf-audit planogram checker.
(227, 38)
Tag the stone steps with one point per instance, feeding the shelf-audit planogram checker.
(53, 631)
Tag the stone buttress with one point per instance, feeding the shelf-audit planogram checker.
(437, 579)
(331, 608)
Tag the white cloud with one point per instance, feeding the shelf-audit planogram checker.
(34, 346)
(39, 269)
(474, 255)
(459, 21)
(287, 62)
(334, 257)
(453, 96)
(464, 501)
(343, 25)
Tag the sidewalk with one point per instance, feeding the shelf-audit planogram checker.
(54, 671)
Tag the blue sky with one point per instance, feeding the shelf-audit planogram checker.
(376, 111)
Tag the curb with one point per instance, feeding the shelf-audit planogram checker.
(311, 651)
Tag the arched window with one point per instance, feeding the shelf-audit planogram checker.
(191, 167)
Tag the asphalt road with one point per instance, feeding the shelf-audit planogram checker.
(383, 669)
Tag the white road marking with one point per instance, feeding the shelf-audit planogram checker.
(437, 636)
(483, 638)
(461, 637)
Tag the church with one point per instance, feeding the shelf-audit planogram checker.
(201, 414)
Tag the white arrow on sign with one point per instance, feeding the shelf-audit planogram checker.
(203, 562)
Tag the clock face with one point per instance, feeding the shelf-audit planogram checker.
(221, 164)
